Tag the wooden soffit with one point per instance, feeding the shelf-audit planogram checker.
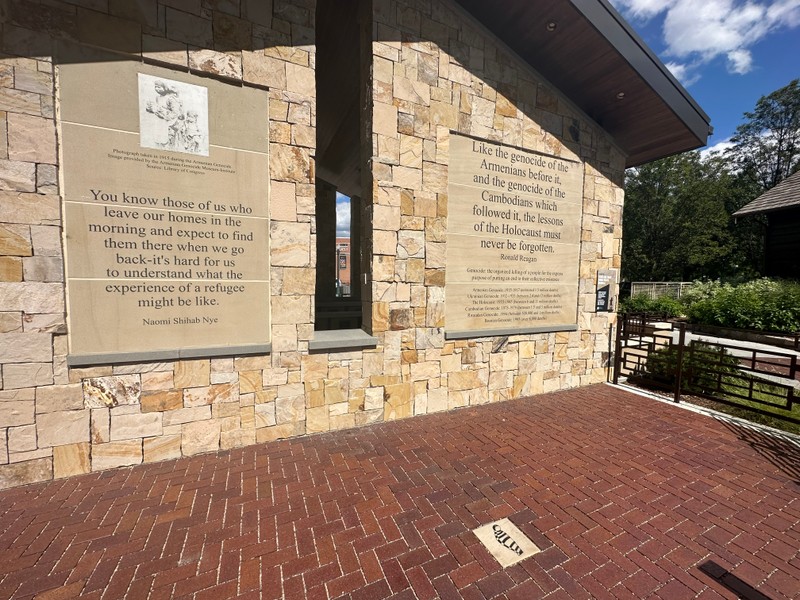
(587, 50)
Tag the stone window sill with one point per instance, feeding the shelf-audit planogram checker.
(341, 339)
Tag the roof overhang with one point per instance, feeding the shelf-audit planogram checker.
(599, 62)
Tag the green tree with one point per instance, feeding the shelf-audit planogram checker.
(676, 221)
(767, 145)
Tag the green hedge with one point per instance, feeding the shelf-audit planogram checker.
(762, 304)
(642, 303)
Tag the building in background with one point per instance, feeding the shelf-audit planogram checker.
(343, 265)
(781, 208)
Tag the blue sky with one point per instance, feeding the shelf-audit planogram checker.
(727, 53)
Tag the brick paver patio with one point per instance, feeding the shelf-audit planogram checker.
(625, 495)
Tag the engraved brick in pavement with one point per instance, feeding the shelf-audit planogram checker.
(626, 497)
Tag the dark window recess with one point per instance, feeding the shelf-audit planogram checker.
(341, 76)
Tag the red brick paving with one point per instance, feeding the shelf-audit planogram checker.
(625, 495)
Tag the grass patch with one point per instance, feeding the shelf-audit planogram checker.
(712, 378)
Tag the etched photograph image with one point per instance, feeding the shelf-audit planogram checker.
(173, 115)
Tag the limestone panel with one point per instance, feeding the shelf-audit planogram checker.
(167, 212)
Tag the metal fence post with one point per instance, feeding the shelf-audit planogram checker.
(679, 366)
(618, 347)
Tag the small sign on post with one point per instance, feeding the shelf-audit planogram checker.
(606, 297)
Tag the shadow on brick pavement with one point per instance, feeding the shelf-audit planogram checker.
(626, 497)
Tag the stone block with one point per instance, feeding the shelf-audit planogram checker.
(63, 427)
(137, 425)
(317, 419)
(252, 363)
(55, 398)
(345, 421)
(22, 439)
(287, 163)
(157, 381)
(225, 411)
(250, 381)
(36, 82)
(335, 391)
(15, 240)
(166, 447)
(186, 415)
(315, 393)
(226, 64)
(163, 50)
(290, 409)
(27, 375)
(289, 244)
(231, 439)
(31, 139)
(291, 310)
(300, 80)
(116, 454)
(17, 407)
(373, 398)
(17, 176)
(263, 70)
(199, 437)
(299, 281)
(161, 401)
(46, 240)
(192, 373)
(100, 425)
(25, 347)
(117, 390)
(264, 415)
(398, 402)
(279, 432)
(314, 366)
(213, 394)
(247, 417)
(23, 473)
(463, 380)
(33, 209)
(72, 459)
(10, 269)
(384, 119)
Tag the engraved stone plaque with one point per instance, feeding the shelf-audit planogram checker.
(166, 210)
(513, 240)
(506, 542)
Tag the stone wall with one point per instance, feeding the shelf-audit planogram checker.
(434, 71)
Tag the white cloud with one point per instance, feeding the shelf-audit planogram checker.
(698, 32)
(685, 73)
(342, 216)
(718, 148)
(740, 61)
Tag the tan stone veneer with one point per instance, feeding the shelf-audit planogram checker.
(446, 75)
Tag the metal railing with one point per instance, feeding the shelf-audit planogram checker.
(664, 355)
(657, 289)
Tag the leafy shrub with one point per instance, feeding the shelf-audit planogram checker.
(642, 303)
(762, 304)
(701, 290)
(700, 367)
